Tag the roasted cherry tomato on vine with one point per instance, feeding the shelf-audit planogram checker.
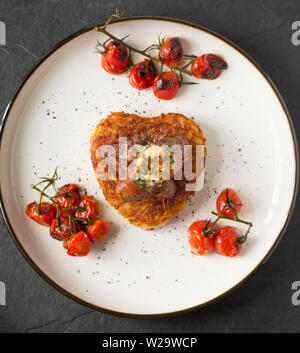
(98, 231)
(171, 52)
(227, 242)
(208, 66)
(67, 228)
(79, 245)
(43, 215)
(142, 75)
(201, 244)
(68, 197)
(89, 208)
(228, 203)
(116, 59)
(166, 85)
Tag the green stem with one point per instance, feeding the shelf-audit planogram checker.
(141, 52)
(89, 223)
(235, 219)
(51, 198)
(51, 181)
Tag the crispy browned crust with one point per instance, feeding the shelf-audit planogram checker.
(150, 212)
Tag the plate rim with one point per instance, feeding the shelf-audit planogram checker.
(272, 85)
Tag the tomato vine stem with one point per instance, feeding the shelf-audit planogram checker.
(59, 208)
(144, 53)
(219, 216)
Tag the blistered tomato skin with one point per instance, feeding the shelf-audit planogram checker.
(116, 59)
(67, 228)
(68, 197)
(89, 208)
(171, 52)
(79, 245)
(201, 244)
(226, 242)
(166, 85)
(142, 75)
(98, 231)
(44, 215)
(208, 66)
(228, 202)
(70, 188)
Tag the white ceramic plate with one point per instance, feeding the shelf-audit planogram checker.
(250, 148)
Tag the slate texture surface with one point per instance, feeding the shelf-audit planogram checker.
(263, 29)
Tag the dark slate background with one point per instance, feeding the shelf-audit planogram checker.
(263, 29)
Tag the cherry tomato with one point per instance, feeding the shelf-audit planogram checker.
(70, 188)
(166, 85)
(67, 228)
(226, 242)
(171, 52)
(115, 60)
(79, 245)
(227, 202)
(142, 75)
(200, 244)
(98, 231)
(44, 215)
(68, 197)
(208, 66)
(66, 243)
(90, 208)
